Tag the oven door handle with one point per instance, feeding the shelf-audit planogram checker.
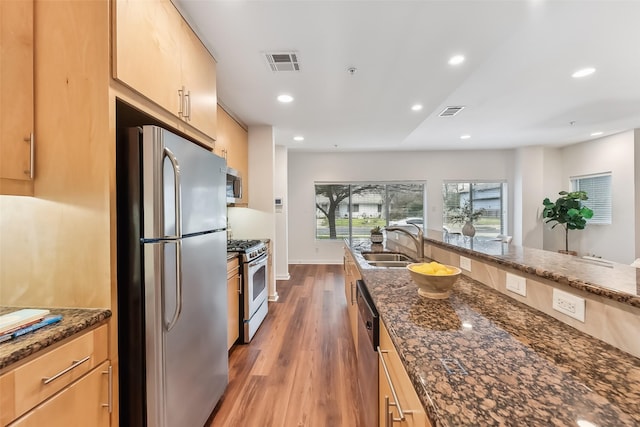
(260, 260)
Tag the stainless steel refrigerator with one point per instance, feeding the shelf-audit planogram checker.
(172, 313)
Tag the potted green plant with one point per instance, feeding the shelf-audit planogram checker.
(376, 234)
(569, 212)
(466, 216)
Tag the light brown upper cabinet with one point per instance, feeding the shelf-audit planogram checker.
(16, 98)
(158, 55)
(233, 145)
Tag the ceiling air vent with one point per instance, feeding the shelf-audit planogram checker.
(283, 61)
(450, 111)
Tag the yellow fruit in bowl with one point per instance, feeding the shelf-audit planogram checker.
(434, 280)
(432, 268)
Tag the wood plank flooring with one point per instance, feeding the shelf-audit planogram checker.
(300, 368)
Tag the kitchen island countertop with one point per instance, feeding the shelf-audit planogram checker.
(74, 320)
(512, 365)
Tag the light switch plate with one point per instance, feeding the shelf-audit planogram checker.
(517, 284)
(569, 304)
(465, 263)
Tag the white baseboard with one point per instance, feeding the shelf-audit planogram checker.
(283, 277)
(316, 261)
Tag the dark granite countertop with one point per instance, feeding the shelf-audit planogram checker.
(619, 282)
(480, 358)
(74, 320)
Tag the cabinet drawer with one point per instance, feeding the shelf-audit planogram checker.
(44, 376)
(84, 403)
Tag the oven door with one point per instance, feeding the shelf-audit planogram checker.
(255, 285)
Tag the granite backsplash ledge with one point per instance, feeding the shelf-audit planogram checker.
(618, 282)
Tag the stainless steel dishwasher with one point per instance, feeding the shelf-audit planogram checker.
(368, 340)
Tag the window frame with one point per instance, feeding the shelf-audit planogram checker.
(595, 201)
(504, 198)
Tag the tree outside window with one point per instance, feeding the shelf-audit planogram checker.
(351, 210)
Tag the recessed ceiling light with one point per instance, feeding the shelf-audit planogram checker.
(596, 134)
(285, 98)
(456, 60)
(416, 107)
(298, 138)
(583, 72)
(465, 136)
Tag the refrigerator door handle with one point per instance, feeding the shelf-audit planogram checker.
(177, 193)
(178, 218)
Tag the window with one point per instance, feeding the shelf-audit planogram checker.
(489, 198)
(351, 210)
(598, 189)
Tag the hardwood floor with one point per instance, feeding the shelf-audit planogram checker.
(300, 368)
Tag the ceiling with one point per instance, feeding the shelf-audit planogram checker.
(515, 82)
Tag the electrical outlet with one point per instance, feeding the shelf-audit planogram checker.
(465, 263)
(568, 304)
(517, 284)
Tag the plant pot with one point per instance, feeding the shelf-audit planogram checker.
(468, 229)
(377, 238)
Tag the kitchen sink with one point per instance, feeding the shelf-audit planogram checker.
(387, 259)
(386, 256)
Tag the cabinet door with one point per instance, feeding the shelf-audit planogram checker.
(234, 287)
(390, 364)
(84, 403)
(16, 96)
(233, 144)
(351, 276)
(147, 50)
(158, 55)
(199, 80)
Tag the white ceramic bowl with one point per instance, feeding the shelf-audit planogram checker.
(431, 285)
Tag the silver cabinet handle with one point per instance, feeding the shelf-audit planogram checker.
(388, 414)
(109, 403)
(353, 300)
(31, 140)
(178, 217)
(74, 364)
(187, 105)
(181, 102)
(396, 401)
(240, 284)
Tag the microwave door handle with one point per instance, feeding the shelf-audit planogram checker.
(237, 183)
(178, 219)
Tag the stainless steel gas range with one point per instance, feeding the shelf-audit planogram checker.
(253, 304)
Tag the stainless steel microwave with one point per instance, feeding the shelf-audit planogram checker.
(234, 186)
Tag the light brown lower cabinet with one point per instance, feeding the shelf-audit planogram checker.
(351, 275)
(84, 403)
(396, 392)
(234, 288)
(68, 385)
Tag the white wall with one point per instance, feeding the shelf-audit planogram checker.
(636, 170)
(282, 217)
(432, 167)
(615, 154)
(258, 220)
(528, 193)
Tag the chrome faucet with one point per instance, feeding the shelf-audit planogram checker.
(418, 240)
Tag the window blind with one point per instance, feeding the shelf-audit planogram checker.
(598, 189)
